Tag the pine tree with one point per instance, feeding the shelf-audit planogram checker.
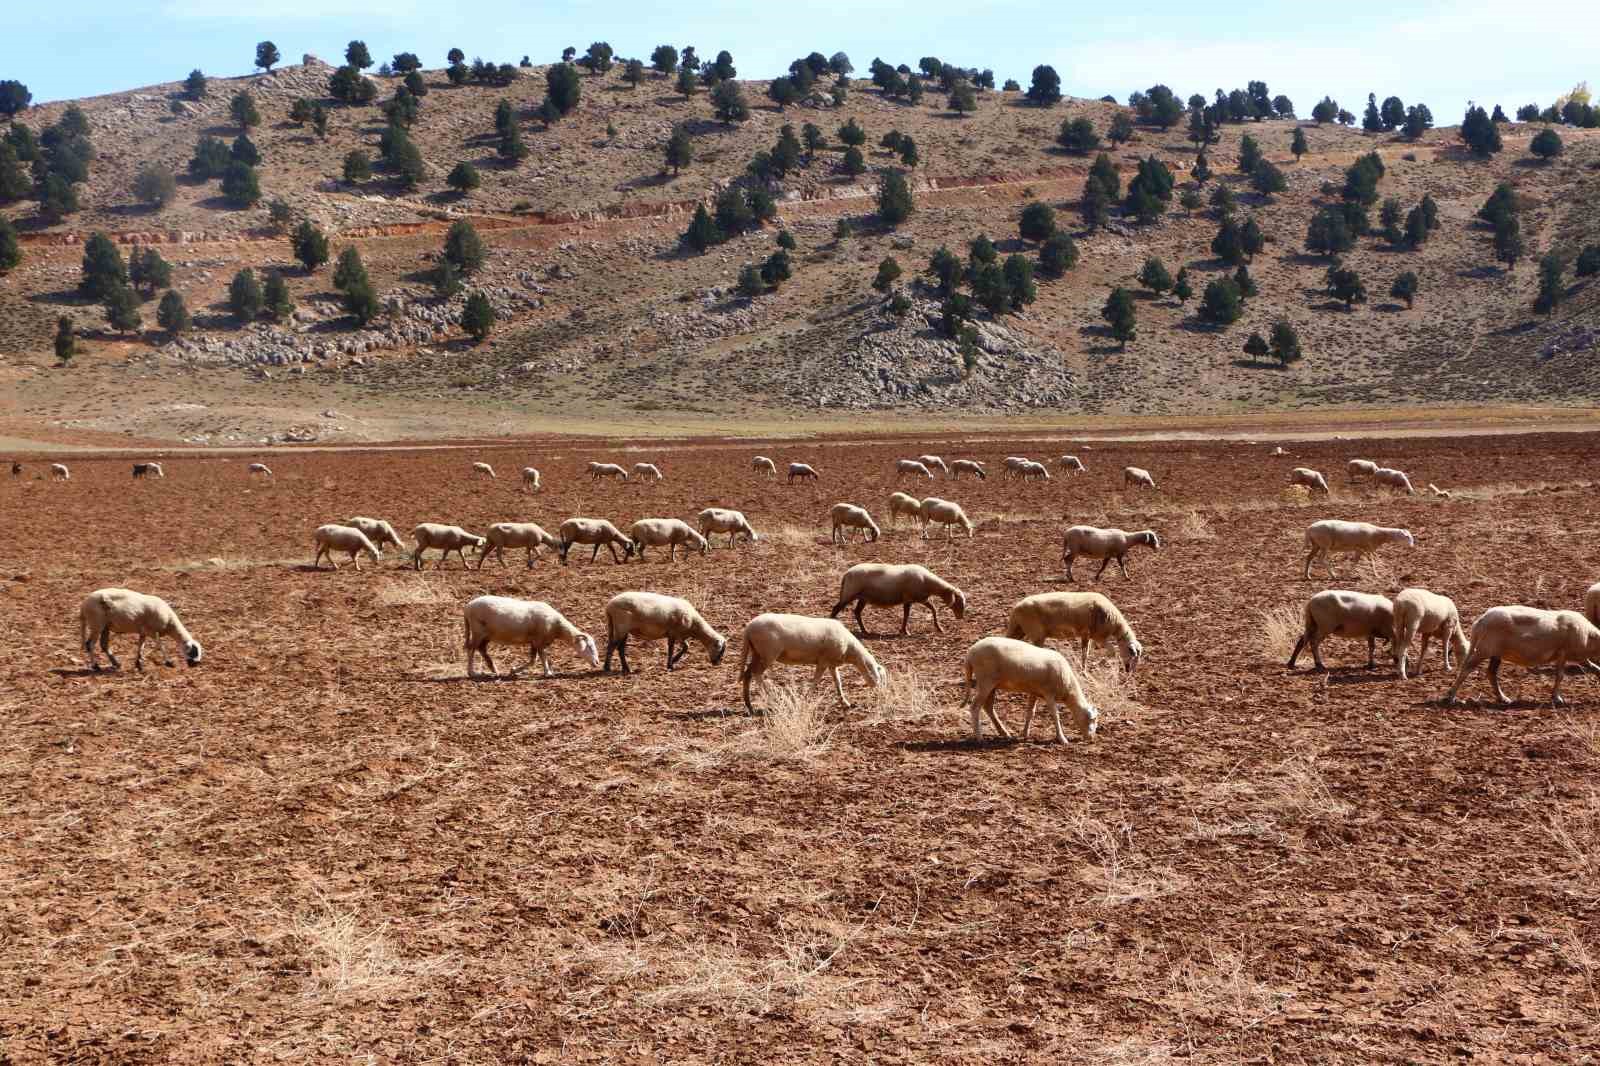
(1037, 221)
(10, 246)
(172, 314)
(463, 247)
(1405, 288)
(122, 310)
(1285, 342)
(243, 109)
(464, 178)
(1019, 281)
(1552, 284)
(276, 299)
(478, 316)
(1181, 288)
(1298, 144)
(1347, 287)
(103, 267)
(888, 274)
(349, 271)
(1256, 346)
(1222, 303)
(66, 339)
(1120, 313)
(703, 231)
(679, 151)
(244, 295)
(1155, 276)
(895, 202)
(1245, 283)
(310, 246)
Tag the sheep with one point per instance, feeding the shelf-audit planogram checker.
(902, 467)
(1591, 604)
(1443, 494)
(1430, 614)
(1339, 613)
(1000, 664)
(611, 470)
(1311, 479)
(887, 585)
(651, 616)
(1137, 475)
(797, 639)
(721, 520)
(1393, 479)
(968, 466)
(1351, 538)
(668, 533)
(259, 470)
(763, 465)
(1082, 616)
(59, 472)
(1277, 451)
(502, 535)
(1014, 465)
(446, 538)
(331, 538)
(377, 530)
(112, 610)
(148, 470)
(803, 471)
(931, 461)
(900, 504)
(946, 513)
(1528, 636)
(503, 620)
(530, 479)
(1092, 542)
(1031, 471)
(595, 531)
(647, 472)
(847, 516)
(1071, 464)
(1360, 468)
(483, 470)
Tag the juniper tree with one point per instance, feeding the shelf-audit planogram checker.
(477, 316)
(244, 295)
(1120, 314)
(1405, 288)
(172, 314)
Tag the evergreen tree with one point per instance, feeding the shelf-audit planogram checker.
(1181, 288)
(1479, 132)
(851, 134)
(946, 269)
(1223, 201)
(463, 247)
(664, 60)
(562, 88)
(963, 101)
(777, 269)
(244, 151)
(350, 271)
(241, 186)
(1222, 303)
(1246, 284)
(154, 185)
(122, 310)
(750, 284)
(633, 73)
(1037, 221)
(1416, 228)
(908, 150)
(1285, 342)
(1328, 233)
(1120, 314)
(464, 178)
(1256, 346)
(1249, 154)
(1228, 244)
(728, 103)
(1508, 246)
(103, 268)
(210, 160)
(357, 166)
(58, 197)
(1552, 284)
(1419, 120)
(854, 163)
(1201, 171)
(405, 160)
(981, 251)
(195, 85)
(1045, 90)
(172, 314)
(1298, 145)
(1095, 207)
(477, 317)
(147, 271)
(1588, 263)
(1155, 276)
(1268, 179)
(1348, 288)
(1394, 113)
(11, 248)
(1104, 173)
(244, 295)
(446, 279)
(513, 149)
(300, 111)
(703, 232)
(1389, 218)
(267, 56)
(1251, 239)
(319, 121)
(786, 240)
(66, 339)
(895, 202)
(1546, 144)
(679, 151)
(243, 109)
(276, 299)
(1019, 281)
(811, 135)
(361, 302)
(1405, 288)
(1502, 205)
(888, 274)
(1361, 179)
(686, 83)
(1057, 255)
(1372, 118)
(357, 56)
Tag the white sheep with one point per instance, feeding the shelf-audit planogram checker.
(666, 533)
(483, 470)
(902, 504)
(377, 530)
(59, 472)
(503, 620)
(148, 469)
(446, 538)
(1311, 479)
(259, 470)
(968, 466)
(722, 520)
(1341, 613)
(1528, 636)
(1136, 476)
(1591, 603)
(887, 585)
(112, 610)
(931, 461)
(946, 513)
(797, 639)
(1092, 542)
(502, 535)
(651, 616)
(763, 465)
(903, 467)
(1360, 468)
(647, 472)
(606, 470)
(1332, 536)
(331, 538)
(1000, 664)
(847, 517)
(595, 531)
(1418, 611)
(1014, 465)
(1393, 479)
(1086, 617)
(1032, 471)
(530, 479)
(802, 471)
(1071, 464)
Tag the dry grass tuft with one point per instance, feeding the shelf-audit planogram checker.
(1302, 790)
(421, 590)
(792, 727)
(1110, 688)
(1281, 627)
(1194, 527)
(1224, 983)
(1119, 873)
(905, 696)
(347, 960)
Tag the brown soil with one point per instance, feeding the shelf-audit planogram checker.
(324, 843)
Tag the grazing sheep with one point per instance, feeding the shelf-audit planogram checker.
(1071, 464)
(1086, 617)
(847, 516)
(112, 610)
(666, 533)
(1444, 494)
(886, 585)
(647, 472)
(148, 470)
(1000, 664)
(931, 461)
(763, 465)
(503, 620)
(1276, 451)
(1136, 476)
(1338, 613)
(1311, 479)
(377, 530)
(803, 471)
(1015, 465)
(611, 470)
(446, 538)
(797, 639)
(1350, 538)
(721, 520)
(1430, 614)
(1031, 471)
(259, 470)
(651, 616)
(946, 513)
(331, 538)
(1360, 468)
(1393, 479)
(483, 470)
(900, 504)
(1092, 542)
(1591, 604)
(1527, 636)
(968, 466)
(59, 472)
(503, 535)
(530, 479)
(595, 531)
(902, 467)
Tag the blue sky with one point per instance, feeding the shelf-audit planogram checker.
(1437, 52)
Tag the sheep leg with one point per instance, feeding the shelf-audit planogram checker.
(1103, 564)
(138, 654)
(596, 554)
(471, 651)
(752, 673)
(1422, 653)
(1372, 647)
(105, 646)
(622, 654)
(1556, 699)
(934, 611)
(1055, 709)
(861, 625)
(1316, 652)
(483, 556)
(544, 660)
(1299, 646)
(416, 557)
(1083, 652)
(533, 552)
(1027, 719)
(483, 650)
(988, 706)
(1123, 566)
(1068, 559)
(905, 620)
(1373, 559)
(611, 645)
(1309, 560)
(838, 689)
(1494, 680)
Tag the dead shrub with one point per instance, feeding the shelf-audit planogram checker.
(1281, 629)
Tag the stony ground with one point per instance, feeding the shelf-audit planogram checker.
(326, 843)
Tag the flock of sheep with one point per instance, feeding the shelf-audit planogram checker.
(1017, 662)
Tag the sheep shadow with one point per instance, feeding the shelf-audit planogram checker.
(965, 745)
(714, 713)
(84, 671)
(1360, 675)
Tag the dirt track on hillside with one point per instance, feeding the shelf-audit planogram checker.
(325, 843)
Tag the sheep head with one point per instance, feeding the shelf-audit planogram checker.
(718, 650)
(1132, 652)
(1087, 720)
(192, 652)
(958, 603)
(586, 648)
